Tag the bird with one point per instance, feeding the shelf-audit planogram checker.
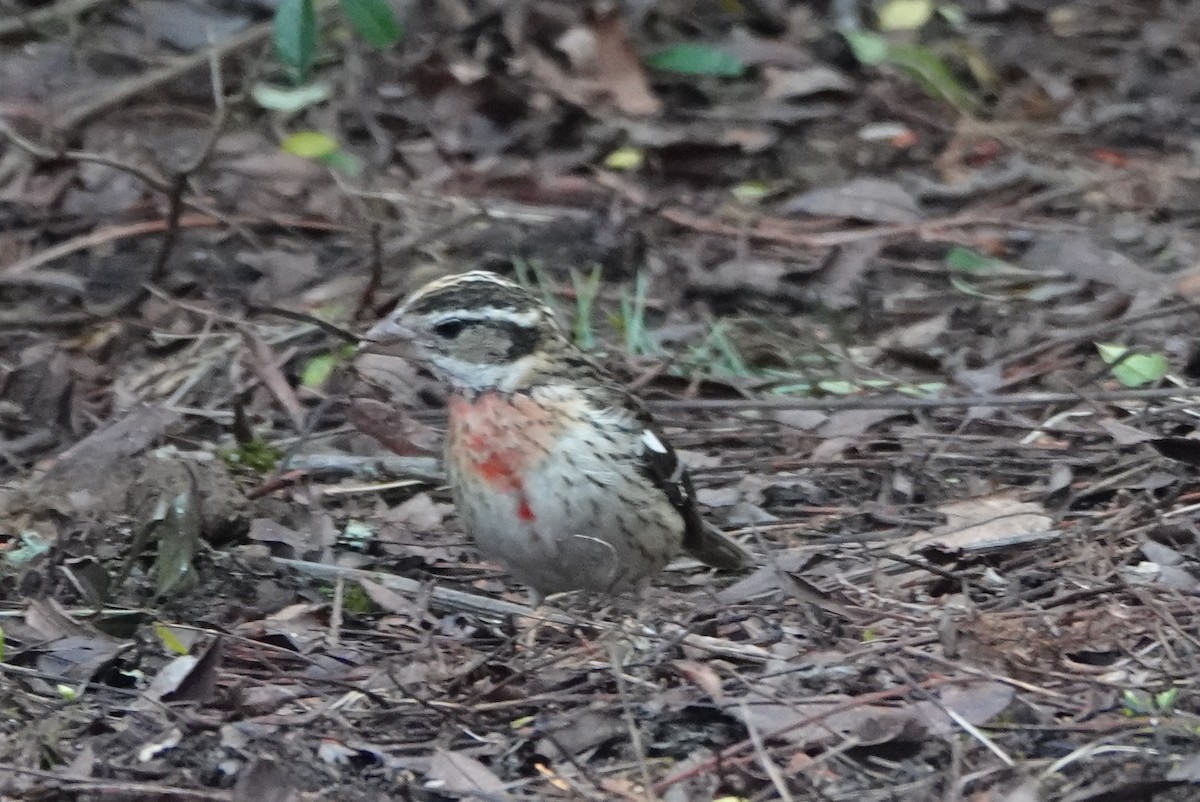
(557, 470)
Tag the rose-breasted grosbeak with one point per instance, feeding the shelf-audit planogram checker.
(557, 471)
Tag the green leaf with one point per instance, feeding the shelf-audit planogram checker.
(295, 34)
(178, 535)
(968, 261)
(932, 73)
(169, 640)
(309, 144)
(32, 545)
(345, 163)
(278, 98)
(357, 534)
(356, 600)
(690, 58)
(375, 21)
(750, 192)
(837, 387)
(1136, 702)
(967, 288)
(868, 47)
(1165, 700)
(317, 371)
(1131, 369)
(625, 159)
(322, 148)
(905, 15)
(952, 14)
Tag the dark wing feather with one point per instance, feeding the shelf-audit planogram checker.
(662, 466)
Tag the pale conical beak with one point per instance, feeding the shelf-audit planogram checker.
(387, 337)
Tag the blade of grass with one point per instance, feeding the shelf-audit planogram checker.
(586, 290)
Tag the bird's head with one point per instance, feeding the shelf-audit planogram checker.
(476, 330)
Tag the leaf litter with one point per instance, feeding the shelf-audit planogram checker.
(230, 565)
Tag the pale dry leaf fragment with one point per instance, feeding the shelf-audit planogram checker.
(419, 514)
(1081, 257)
(979, 523)
(977, 703)
(51, 620)
(200, 683)
(718, 496)
(855, 422)
(77, 658)
(1188, 770)
(570, 735)
(1026, 792)
(389, 599)
(838, 282)
(102, 451)
(760, 275)
(266, 365)
(1125, 434)
(806, 724)
(166, 742)
(459, 773)
(873, 200)
(703, 676)
(264, 530)
(264, 780)
(604, 68)
(805, 420)
(618, 68)
(787, 84)
(170, 677)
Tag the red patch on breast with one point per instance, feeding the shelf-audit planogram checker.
(524, 511)
(500, 438)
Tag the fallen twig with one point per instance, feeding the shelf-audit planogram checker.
(31, 19)
(123, 91)
(907, 402)
(446, 598)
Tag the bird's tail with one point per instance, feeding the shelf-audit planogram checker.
(713, 547)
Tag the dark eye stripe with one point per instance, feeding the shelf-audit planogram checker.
(449, 329)
(524, 340)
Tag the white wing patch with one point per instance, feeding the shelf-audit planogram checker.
(651, 441)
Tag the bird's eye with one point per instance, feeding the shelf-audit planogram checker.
(449, 329)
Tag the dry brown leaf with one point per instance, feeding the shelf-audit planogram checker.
(459, 773)
(618, 70)
(986, 522)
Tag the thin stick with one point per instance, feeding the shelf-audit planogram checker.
(635, 735)
(31, 19)
(764, 758)
(446, 598)
(129, 88)
(335, 613)
(906, 402)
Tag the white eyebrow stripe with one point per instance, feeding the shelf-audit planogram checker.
(527, 318)
(651, 441)
(473, 276)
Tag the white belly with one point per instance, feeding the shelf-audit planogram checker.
(584, 519)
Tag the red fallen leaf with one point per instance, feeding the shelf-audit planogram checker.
(703, 677)
(984, 151)
(1110, 157)
(392, 428)
(905, 139)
